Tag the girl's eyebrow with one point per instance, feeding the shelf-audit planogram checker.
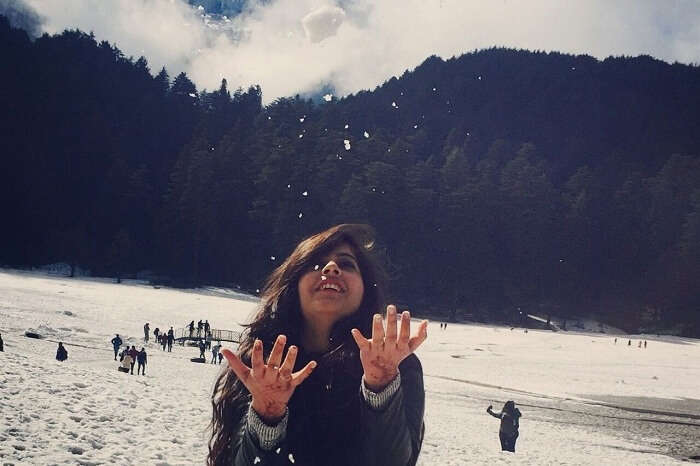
(346, 254)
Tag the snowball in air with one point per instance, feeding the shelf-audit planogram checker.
(366, 135)
(328, 97)
(347, 144)
(323, 23)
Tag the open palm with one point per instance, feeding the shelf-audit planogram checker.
(271, 385)
(382, 354)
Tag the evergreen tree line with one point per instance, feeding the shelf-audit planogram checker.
(499, 180)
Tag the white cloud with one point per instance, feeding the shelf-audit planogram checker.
(323, 23)
(293, 46)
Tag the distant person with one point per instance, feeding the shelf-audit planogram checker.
(208, 340)
(156, 332)
(200, 325)
(61, 353)
(2, 344)
(616, 340)
(146, 332)
(171, 338)
(510, 423)
(445, 325)
(141, 357)
(202, 349)
(116, 343)
(215, 352)
(221, 356)
(629, 342)
(191, 327)
(133, 352)
(163, 341)
(127, 362)
(207, 327)
(645, 344)
(640, 344)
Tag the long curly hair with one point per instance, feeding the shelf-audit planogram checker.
(280, 313)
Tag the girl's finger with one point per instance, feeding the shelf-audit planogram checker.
(418, 339)
(275, 358)
(241, 370)
(391, 325)
(288, 365)
(257, 358)
(361, 341)
(377, 330)
(405, 332)
(303, 374)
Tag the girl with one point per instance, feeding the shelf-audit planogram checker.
(307, 386)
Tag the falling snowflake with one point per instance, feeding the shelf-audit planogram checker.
(347, 144)
(289, 186)
(366, 135)
(393, 104)
(301, 120)
(301, 136)
(479, 78)
(269, 118)
(434, 89)
(192, 94)
(291, 458)
(278, 451)
(305, 193)
(257, 290)
(316, 267)
(415, 126)
(272, 258)
(200, 8)
(402, 93)
(328, 97)
(301, 214)
(347, 126)
(256, 460)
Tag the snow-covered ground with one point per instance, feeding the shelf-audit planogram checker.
(584, 398)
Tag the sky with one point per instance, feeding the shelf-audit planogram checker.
(299, 46)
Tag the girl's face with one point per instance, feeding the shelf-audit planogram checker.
(332, 288)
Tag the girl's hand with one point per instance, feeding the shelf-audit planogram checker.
(381, 355)
(271, 385)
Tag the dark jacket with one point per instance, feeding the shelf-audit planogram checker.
(141, 357)
(61, 353)
(509, 423)
(116, 342)
(331, 424)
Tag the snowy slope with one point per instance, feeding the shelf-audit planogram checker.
(584, 399)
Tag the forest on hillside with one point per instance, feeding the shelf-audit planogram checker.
(497, 180)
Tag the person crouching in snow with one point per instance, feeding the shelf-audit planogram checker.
(61, 353)
(126, 362)
(508, 433)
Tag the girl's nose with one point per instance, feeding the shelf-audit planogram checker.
(331, 268)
